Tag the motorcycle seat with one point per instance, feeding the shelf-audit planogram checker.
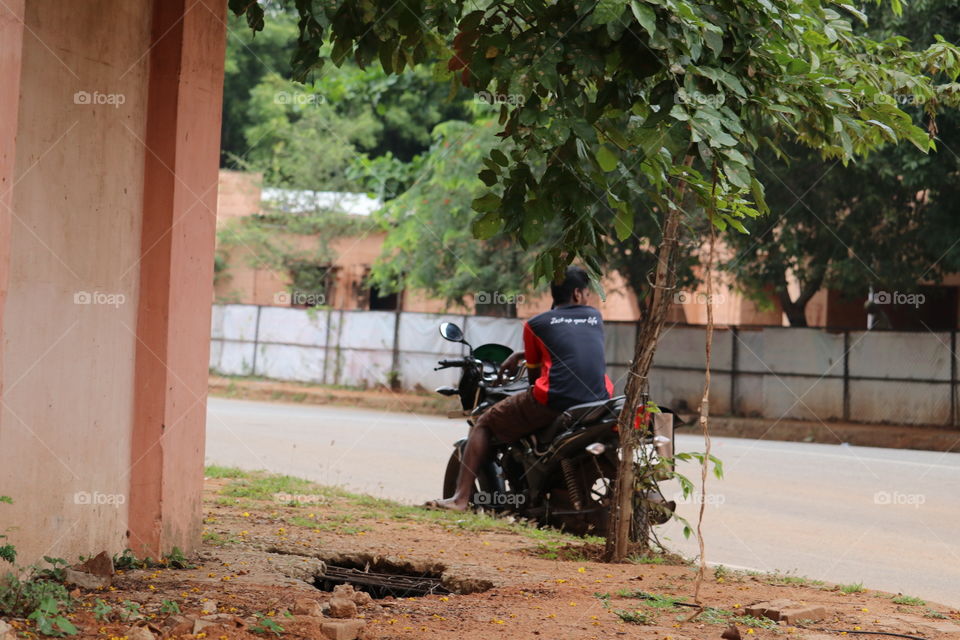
(579, 414)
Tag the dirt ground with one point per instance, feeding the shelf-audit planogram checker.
(266, 539)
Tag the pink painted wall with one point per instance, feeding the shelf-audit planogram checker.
(176, 274)
(70, 313)
(80, 81)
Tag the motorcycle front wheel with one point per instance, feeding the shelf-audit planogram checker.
(484, 484)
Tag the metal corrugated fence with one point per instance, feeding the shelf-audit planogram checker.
(771, 372)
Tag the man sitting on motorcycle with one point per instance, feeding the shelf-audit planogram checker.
(566, 366)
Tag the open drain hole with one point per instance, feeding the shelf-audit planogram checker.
(387, 580)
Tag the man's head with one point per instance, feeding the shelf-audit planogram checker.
(573, 289)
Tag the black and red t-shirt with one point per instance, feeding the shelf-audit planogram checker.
(567, 344)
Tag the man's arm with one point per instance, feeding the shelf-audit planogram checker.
(533, 373)
(531, 348)
(510, 364)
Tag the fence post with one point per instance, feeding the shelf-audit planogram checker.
(256, 341)
(326, 345)
(953, 377)
(395, 383)
(734, 357)
(846, 375)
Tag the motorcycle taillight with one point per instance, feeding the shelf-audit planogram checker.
(643, 417)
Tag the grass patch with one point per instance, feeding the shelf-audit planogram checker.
(216, 539)
(725, 618)
(635, 617)
(216, 471)
(908, 600)
(664, 558)
(263, 486)
(786, 578)
(339, 524)
(652, 599)
(754, 622)
(930, 613)
(713, 615)
(856, 587)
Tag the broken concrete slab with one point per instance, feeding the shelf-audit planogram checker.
(787, 611)
(342, 608)
(85, 580)
(342, 629)
(307, 607)
(99, 565)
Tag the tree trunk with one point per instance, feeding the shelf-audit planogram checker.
(796, 310)
(796, 314)
(621, 514)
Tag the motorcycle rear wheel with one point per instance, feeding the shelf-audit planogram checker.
(596, 478)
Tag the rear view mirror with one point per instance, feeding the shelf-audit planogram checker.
(451, 332)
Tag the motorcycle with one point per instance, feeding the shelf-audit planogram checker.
(563, 475)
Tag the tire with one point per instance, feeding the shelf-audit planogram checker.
(452, 473)
(596, 478)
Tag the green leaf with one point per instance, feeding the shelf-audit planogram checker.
(499, 157)
(737, 174)
(758, 195)
(607, 158)
(645, 15)
(488, 177)
(486, 203)
(622, 219)
(487, 225)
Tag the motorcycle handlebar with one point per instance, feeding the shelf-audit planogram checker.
(444, 364)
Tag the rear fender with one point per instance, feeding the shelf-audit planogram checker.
(571, 444)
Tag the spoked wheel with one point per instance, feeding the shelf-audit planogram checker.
(595, 479)
(593, 485)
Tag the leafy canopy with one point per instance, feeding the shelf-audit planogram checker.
(888, 220)
(667, 96)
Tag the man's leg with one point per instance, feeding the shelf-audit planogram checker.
(475, 452)
(508, 420)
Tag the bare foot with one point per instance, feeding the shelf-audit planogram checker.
(448, 504)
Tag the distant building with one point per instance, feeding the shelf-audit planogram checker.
(241, 195)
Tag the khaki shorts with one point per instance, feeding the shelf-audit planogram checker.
(515, 417)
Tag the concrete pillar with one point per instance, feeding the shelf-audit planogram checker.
(176, 273)
(109, 147)
(11, 52)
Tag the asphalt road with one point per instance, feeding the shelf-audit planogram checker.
(887, 518)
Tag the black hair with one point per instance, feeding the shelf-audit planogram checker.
(575, 278)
